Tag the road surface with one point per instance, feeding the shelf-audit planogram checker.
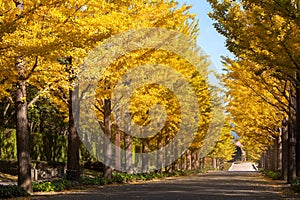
(236, 185)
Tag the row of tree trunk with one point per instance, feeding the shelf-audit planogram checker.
(282, 155)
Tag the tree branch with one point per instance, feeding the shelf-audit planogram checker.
(33, 67)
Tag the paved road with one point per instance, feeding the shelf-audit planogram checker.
(213, 185)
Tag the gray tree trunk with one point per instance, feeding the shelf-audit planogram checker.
(285, 149)
(214, 163)
(107, 145)
(128, 153)
(145, 160)
(159, 156)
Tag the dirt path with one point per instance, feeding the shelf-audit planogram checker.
(213, 185)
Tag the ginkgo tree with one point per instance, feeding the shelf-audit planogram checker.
(264, 37)
(255, 112)
(224, 148)
(24, 51)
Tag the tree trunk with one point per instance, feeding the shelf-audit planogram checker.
(23, 152)
(285, 151)
(128, 153)
(181, 163)
(214, 163)
(292, 127)
(202, 160)
(297, 125)
(145, 160)
(185, 163)
(159, 156)
(188, 160)
(194, 159)
(73, 166)
(267, 162)
(168, 156)
(292, 152)
(118, 152)
(261, 161)
(279, 152)
(107, 145)
(272, 160)
(175, 153)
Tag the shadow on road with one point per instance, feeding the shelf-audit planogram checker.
(214, 185)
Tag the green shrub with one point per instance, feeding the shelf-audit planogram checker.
(85, 180)
(52, 186)
(124, 177)
(43, 187)
(119, 178)
(273, 175)
(296, 184)
(9, 191)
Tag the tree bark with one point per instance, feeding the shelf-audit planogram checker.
(73, 166)
(280, 152)
(188, 160)
(285, 151)
(107, 144)
(145, 160)
(292, 152)
(297, 125)
(23, 151)
(214, 163)
(202, 162)
(168, 156)
(194, 159)
(272, 157)
(159, 156)
(292, 127)
(128, 153)
(175, 156)
(268, 159)
(118, 152)
(181, 163)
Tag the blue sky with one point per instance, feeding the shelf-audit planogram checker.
(212, 43)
